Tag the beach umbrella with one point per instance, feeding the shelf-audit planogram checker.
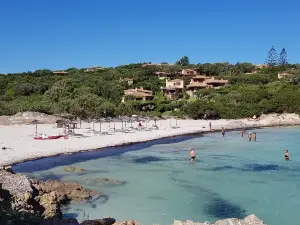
(36, 122)
(155, 119)
(100, 123)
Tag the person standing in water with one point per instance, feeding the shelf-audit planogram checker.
(192, 154)
(242, 132)
(254, 136)
(223, 131)
(249, 136)
(286, 155)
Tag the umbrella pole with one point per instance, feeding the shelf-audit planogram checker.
(100, 127)
(176, 122)
(36, 129)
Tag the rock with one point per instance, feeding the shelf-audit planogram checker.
(74, 169)
(249, 220)
(56, 221)
(107, 221)
(107, 181)
(16, 184)
(51, 205)
(90, 222)
(66, 191)
(8, 168)
(130, 222)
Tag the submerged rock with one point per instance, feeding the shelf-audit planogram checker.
(66, 191)
(74, 169)
(56, 221)
(106, 181)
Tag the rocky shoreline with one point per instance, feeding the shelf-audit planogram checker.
(41, 202)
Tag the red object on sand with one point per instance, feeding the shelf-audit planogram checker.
(48, 137)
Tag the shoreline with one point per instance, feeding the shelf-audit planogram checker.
(53, 148)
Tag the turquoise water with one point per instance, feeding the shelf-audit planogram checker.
(231, 178)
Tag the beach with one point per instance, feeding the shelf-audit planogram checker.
(21, 146)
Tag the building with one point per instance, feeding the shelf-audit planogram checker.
(173, 88)
(138, 94)
(215, 83)
(129, 81)
(164, 75)
(261, 66)
(62, 73)
(285, 75)
(93, 69)
(199, 79)
(189, 72)
(193, 87)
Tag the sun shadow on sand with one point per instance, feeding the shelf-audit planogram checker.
(65, 160)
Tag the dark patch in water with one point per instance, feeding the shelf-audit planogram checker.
(78, 210)
(70, 159)
(257, 181)
(262, 167)
(71, 215)
(94, 206)
(103, 199)
(220, 168)
(222, 209)
(50, 176)
(156, 198)
(148, 159)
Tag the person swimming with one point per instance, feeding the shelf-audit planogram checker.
(192, 154)
(286, 155)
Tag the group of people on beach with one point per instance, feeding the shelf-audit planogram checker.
(251, 136)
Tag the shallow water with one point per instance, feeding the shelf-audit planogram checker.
(231, 178)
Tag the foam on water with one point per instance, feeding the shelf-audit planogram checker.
(231, 178)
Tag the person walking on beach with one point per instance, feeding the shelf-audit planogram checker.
(192, 154)
(286, 155)
(210, 125)
(223, 131)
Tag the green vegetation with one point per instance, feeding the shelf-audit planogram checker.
(99, 93)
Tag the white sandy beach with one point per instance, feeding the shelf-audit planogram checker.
(21, 145)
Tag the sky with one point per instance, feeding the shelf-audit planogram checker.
(59, 34)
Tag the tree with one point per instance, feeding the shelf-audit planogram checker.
(272, 58)
(184, 61)
(283, 58)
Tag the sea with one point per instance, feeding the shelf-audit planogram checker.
(231, 177)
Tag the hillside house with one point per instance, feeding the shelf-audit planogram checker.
(164, 75)
(215, 83)
(194, 87)
(285, 75)
(61, 73)
(173, 88)
(128, 81)
(189, 72)
(93, 69)
(199, 79)
(138, 94)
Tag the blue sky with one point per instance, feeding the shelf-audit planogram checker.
(59, 34)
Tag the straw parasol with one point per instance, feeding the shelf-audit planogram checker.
(155, 119)
(36, 122)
